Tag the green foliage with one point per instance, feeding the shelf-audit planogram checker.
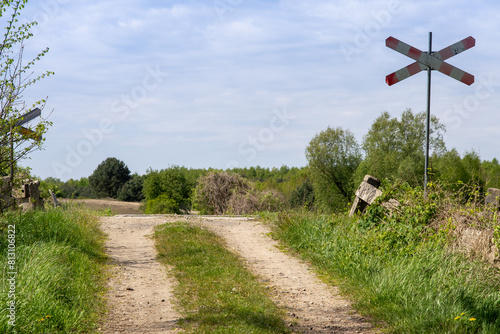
(109, 177)
(491, 173)
(69, 189)
(131, 191)
(333, 156)
(402, 228)
(411, 280)
(59, 258)
(162, 204)
(16, 77)
(303, 196)
(394, 149)
(450, 170)
(284, 180)
(217, 293)
(172, 182)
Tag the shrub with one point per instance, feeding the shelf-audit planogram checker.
(214, 191)
(222, 192)
(162, 204)
(171, 182)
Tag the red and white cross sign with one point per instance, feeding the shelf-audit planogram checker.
(435, 60)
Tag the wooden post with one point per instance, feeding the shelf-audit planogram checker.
(54, 199)
(365, 195)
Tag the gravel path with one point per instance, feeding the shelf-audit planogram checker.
(140, 295)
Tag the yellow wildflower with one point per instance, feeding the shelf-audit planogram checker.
(456, 318)
(472, 319)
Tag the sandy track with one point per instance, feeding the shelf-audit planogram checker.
(312, 306)
(140, 295)
(140, 291)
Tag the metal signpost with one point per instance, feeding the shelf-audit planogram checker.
(429, 61)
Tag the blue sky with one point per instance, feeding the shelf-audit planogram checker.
(223, 83)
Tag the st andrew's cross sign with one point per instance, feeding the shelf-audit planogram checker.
(429, 61)
(433, 60)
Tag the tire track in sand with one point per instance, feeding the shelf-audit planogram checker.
(313, 307)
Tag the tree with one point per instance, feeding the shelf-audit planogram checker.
(132, 190)
(109, 177)
(333, 156)
(450, 171)
(491, 173)
(15, 77)
(395, 149)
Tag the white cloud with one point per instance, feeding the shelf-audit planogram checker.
(227, 74)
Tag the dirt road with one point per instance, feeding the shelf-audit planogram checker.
(140, 296)
(140, 291)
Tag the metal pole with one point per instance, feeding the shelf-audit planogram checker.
(427, 129)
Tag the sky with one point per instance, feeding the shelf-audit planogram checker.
(240, 83)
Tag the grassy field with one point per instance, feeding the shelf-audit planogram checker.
(52, 264)
(217, 294)
(402, 275)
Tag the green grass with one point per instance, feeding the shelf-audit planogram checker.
(217, 294)
(59, 256)
(415, 286)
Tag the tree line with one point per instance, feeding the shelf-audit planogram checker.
(392, 150)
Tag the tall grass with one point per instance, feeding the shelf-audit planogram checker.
(59, 255)
(415, 286)
(217, 293)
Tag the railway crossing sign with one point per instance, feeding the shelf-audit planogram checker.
(433, 60)
(429, 61)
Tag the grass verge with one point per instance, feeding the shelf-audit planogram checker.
(216, 292)
(57, 256)
(413, 285)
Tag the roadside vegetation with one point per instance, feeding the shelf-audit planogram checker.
(411, 267)
(215, 290)
(407, 268)
(59, 260)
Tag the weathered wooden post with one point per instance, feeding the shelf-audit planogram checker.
(365, 195)
(54, 199)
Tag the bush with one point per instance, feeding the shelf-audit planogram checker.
(214, 191)
(172, 182)
(222, 192)
(162, 205)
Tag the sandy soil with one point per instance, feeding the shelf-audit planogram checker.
(312, 306)
(115, 206)
(140, 291)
